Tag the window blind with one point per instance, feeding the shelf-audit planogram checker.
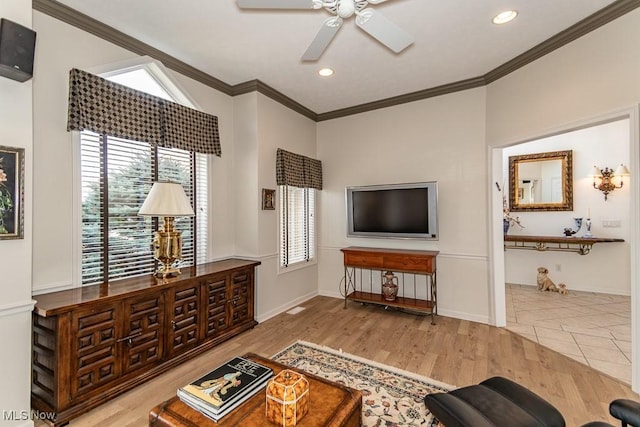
(117, 175)
(297, 225)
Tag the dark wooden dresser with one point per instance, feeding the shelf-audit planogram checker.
(92, 343)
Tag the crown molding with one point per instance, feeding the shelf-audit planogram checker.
(86, 23)
(403, 99)
(263, 88)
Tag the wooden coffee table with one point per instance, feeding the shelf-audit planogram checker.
(330, 404)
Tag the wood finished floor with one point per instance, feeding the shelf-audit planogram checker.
(453, 351)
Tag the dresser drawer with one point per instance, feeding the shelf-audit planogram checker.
(366, 260)
(409, 263)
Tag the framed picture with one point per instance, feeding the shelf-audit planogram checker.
(268, 199)
(11, 193)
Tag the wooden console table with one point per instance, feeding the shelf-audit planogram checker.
(580, 245)
(394, 260)
(93, 343)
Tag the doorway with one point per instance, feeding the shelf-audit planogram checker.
(602, 283)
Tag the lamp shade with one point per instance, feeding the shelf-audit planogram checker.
(621, 171)
(166, 199)
(595, 172)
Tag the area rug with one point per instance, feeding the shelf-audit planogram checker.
(390, 397)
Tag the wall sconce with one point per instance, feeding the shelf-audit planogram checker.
(606, 177)
(167, 200)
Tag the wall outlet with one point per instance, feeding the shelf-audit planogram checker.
(558, 267)
(611, 223)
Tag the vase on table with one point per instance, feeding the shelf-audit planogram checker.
(505, 225)
(389, 287)
(578, 222)
(587, 226)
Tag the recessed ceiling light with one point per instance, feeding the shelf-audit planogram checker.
(326, 72)
(504, 17)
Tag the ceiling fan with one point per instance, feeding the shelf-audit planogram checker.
(369, 20)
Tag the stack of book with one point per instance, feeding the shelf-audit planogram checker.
(223, 389)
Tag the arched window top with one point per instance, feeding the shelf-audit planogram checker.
(147, 75)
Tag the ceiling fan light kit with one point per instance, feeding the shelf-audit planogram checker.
(369, 20)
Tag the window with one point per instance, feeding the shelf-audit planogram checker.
(297, 225)
(116, 176)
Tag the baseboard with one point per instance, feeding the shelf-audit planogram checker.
(441, 312)
(464, 316)
(332, 294)
(285, 307)
(597, 291)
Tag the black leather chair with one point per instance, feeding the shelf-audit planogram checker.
(500, 402)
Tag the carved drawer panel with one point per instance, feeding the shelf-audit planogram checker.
(241, 295)
(184, 318)
(217, 319)
(142, 334)
(95, 345)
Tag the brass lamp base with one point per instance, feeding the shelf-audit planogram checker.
(167, 271)
(167, 249)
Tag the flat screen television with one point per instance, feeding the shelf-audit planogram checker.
(402, 211)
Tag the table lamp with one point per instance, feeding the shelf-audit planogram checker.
(167, 200)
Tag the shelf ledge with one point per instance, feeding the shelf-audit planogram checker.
(580, 245)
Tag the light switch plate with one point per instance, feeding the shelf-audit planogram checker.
(611, 223)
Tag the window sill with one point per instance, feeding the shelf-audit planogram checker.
(297, 266)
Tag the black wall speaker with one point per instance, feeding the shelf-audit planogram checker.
(17, 46)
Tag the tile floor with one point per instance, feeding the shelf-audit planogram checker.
(594, 329)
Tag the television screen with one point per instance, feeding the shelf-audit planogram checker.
(398, 210)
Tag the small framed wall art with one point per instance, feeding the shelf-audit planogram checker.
(268, 199)
(11, 193)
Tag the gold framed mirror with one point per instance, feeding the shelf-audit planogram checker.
(541, 182)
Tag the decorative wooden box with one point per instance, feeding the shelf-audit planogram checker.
(287, 398)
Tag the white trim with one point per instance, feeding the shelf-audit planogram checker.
(441, 312)
(634, 231)
(498, 307)
(53, 288)
(12, 309)
(462, 315)
(495, 243)
(285, 307)
(76, 212)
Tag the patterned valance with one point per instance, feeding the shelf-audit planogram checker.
(297, 170)
(102, 106)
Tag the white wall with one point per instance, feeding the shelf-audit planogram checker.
(606, 269)
(261, 126)
(438, 139)
(280, 127)
(15, 255)
(594, 75)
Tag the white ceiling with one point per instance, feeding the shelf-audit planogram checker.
(454, 40)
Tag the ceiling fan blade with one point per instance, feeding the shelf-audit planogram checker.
(327, 32)
(383, 30)
(277, 4)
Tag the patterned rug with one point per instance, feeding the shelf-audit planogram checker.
(390, 397)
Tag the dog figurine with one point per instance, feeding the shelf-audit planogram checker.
(546, 284)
